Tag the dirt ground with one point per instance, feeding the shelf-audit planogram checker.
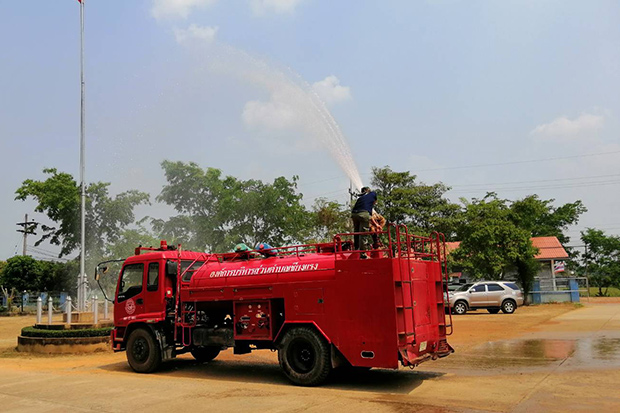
(542, 358)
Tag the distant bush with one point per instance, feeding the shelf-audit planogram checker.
(86, 332)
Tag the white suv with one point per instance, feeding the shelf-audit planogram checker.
(492, 295)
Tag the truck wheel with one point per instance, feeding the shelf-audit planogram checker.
(509, 307)
(304, 356)
(204, 354)
(143, 352)
(459, 308)
(493, 310)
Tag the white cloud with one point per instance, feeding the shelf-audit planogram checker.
(272, 115)
(199, 33)
(564, 127)
(330, 90)
(177, 8)
(261, 7)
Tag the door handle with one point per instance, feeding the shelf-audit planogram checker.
(139, 301)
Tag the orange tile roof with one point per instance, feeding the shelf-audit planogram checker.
(549, 248)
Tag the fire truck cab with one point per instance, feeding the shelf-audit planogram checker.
(321, 306)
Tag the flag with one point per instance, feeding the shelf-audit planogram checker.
(558, 267)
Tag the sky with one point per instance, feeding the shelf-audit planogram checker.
(516, 97)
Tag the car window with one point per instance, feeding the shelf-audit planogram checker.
(464, 287)
(495, 287)
(512, 285)
(478, 288)
(131, 281)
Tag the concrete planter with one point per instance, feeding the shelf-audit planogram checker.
(63, 345)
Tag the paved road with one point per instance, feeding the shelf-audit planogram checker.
(568, 362)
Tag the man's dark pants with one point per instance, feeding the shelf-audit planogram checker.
(361, 223)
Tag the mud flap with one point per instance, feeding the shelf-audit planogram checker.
(167, 352)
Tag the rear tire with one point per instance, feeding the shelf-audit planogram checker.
(205, 354)
(459, 308)
(305, 356)
(143, 352)
(509, 307)
(493, 310)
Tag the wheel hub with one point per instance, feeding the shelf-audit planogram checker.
(140, 350)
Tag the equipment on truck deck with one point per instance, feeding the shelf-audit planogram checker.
(319, 305)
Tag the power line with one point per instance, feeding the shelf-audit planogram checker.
(536, 181)
(557, 158)
(531, 188)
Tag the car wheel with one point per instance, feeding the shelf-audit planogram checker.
(493, 310)
(143, 353)
(509, 307)
(460, 308)
(204, 354)
(305, 356)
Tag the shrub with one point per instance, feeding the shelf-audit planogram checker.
(86, 332)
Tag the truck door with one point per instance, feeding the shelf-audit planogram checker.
(130, 298)
(153, 296)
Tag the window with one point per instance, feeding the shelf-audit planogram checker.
(464, 287)
(478, 289)
(512, 285)
(185, 264)
(153, 277)
(131, 281)
(495, 287)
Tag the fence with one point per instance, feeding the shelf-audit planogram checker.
(554, 290)
(46, 304)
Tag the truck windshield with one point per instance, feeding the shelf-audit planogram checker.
(465, 287)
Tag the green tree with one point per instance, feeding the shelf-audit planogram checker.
(58, 197)
(403, 200)
(541, 218)
(130, 239)
(26, 273)
(329, 218)
(215, 211)
(491, 243)
(22, 273)
(601, 261)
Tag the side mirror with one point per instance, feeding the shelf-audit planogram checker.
(100, 271)
(171, 268)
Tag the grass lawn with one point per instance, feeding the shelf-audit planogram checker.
(611, 292)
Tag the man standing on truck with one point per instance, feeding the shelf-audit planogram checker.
(362, 210)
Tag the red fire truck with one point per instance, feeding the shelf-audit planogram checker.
(321, 306)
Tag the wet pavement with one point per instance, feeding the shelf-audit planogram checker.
(542, 351)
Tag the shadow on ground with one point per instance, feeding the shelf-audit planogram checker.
(376, 380)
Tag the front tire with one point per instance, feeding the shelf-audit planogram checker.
(459, 308)
(205, 354)
(509, 307)
(143, 352)
(305, 356)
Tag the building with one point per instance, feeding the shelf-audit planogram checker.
(551, 255)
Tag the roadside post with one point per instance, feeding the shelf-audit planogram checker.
(39, 310)
(49, 311)
(95, 310)
(68, 309)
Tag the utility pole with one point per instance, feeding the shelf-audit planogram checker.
(27, 228)
(82, 277)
